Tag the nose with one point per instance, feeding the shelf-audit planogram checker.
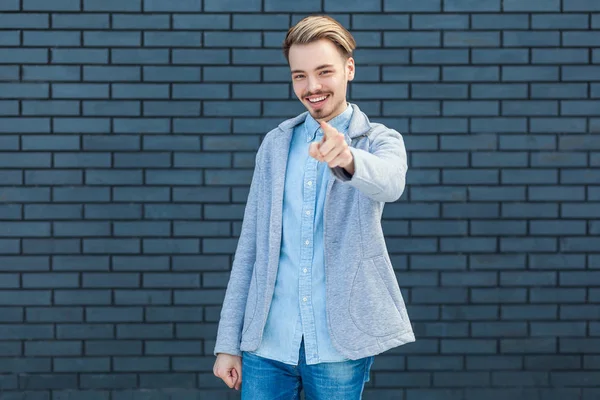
(313, 85)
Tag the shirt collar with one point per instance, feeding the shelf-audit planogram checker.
(340, 122)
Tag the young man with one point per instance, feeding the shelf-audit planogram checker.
(312, 295)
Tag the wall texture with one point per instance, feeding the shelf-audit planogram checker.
(128, 131)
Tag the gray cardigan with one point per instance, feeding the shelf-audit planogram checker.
(366, 313)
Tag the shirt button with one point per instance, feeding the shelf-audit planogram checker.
(304, 299)
(305, 270)
(309, 183)
(308, 213)
(306, 243)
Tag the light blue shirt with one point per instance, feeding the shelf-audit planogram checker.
(298, 308)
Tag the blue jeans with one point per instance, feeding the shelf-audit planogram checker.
(264, 379)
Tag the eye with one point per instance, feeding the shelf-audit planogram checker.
(325, 72)
(298, 76)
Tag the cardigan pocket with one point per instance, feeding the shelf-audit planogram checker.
(372, 302)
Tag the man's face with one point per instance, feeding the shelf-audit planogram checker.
(320, 76)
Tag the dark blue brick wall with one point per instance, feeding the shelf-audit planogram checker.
(128, 131)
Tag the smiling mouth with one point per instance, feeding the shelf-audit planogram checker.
(317, 100)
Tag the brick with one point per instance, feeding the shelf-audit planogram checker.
(498, 295)
(79, 263)
(554, 193)
(172, 39)
(473, 210)
(528, 312)
(10, 5)
(80, 21)
(139, 91)
(175, 143)
(470, 74)
(24, 90)
(200, 125)
(140, 263)
(529, 108)
(24, 125)
(439, 21)
(51, 108)
(291, 6)
(115, 143)
(51, 38)
(458, 177)
(139, 56)
(498, 125)
(470, 108)
(142, 297)
(553, 228)
(78, 56)
(499, 91)
(112, 5)
(500, 56)
(475, 245)
(581, 5)
(559, 21)
(560, 56)
(531, 6)
(580, 176)
(167, 6)
(351, 6)
(231, 5)
(132, 21)
(110, 280)
(10, 38)
(139, 125)
(80, 91)
(10, 72)
(499, 21)
(411, 39)
(47, 348)
(530, 39)
(171, 108)
(529, 73)
(111, 39)
(411, 108)
(80, 194)
(403, 6)
(440, 56)
(579, 107)
(114, 314)
(201, 21)
(171, 74)
(374, 22)
(467, 346)
(201, 91)
(53, 177)
(23, 56)
(80, 125)
(549, 261)
(471, 39)
(498, 228)
(529, 177)
(113, 177)
(24, 21)
(383, 56)
(144, 194)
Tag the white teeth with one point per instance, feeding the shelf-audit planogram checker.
(317, 99)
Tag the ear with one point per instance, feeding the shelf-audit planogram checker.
(350, 68)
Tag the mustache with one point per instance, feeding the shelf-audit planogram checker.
(314, 94)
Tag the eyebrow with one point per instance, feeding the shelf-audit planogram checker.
(316, 69)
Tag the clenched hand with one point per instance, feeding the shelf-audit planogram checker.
(229, 368)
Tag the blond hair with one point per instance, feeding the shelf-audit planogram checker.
(316, 27)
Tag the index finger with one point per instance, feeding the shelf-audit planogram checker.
(328, 130)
